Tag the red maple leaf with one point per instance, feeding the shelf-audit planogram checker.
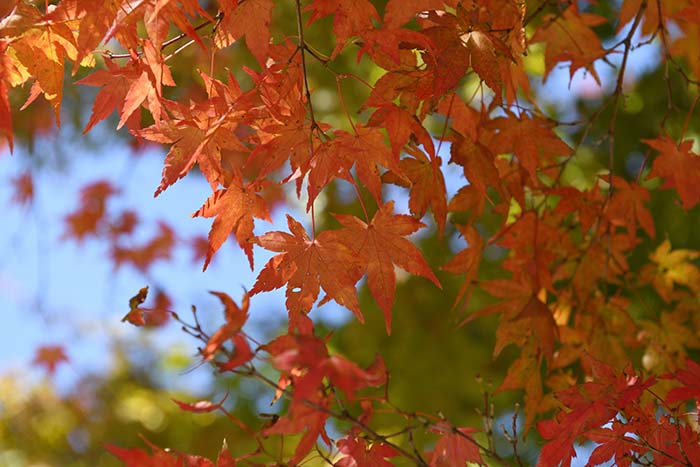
(690, 380)
(357, 452)
(456, 446)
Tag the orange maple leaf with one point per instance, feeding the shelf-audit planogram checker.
(679, 166)
(124, 88)
(7, 70)
(235, 209)
(49, 357)
(365, 150)
(531, 140)
(44, 42)
(477, 160)
(381, 244)
(427, 185)
(159, 247)
(306, 266)
(468, 260)
(350, 18)
(197, 137)
(250, 19)
(485, 58)
(399, 12)
(628, 208)
(569, 38)
(89, 218)
(235, 317)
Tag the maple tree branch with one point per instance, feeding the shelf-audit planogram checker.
(250, 370)
(302, 49)
(513, 439)
(342, 103)
(172, 40)
(688, 117)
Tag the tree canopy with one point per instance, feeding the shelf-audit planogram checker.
(497, 193)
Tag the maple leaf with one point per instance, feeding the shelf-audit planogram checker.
(306, 266)
(628, 208)
(381, 244)
(303, 418)
(569, 38)
(116, 84)
(235, 317)
(141, 458)
(126, 89)
(450, 65)
(89, 218)
(235, 209)
(364, 150)
(467, 199)
(466, 261)
(477, 160)
(400, 125)
(135, 314)
(524, 315)
(613, 443)
(558, 450)
(586, 204)
(49, 357)
(456, 446)
(679, 166)
(689, 377)
(525, 373)
(305, 360)
(427, 185)
(142, 257)
(674, 267)
(23, 185)
(483, 58)
(358, 453)
(350, 18)
(399, 12)
(250, 19)
(42, 50)
(7, 69)
(95, 21)
(199, 139)
(531, 140)
(202, 406)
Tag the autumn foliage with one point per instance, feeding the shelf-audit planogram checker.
(582, 278)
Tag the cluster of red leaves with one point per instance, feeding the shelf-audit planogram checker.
(318, 385)
(567, 245)
(166, 458)
(619, 412)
